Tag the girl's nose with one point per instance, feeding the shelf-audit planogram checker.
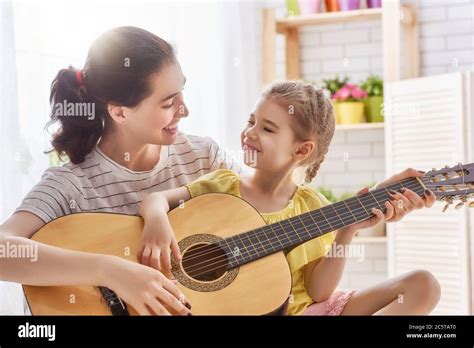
(182, 109)
(250, 133)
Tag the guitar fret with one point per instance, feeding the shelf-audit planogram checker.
(301, 228)
(295, 230)
(333, 208)
(350, 210)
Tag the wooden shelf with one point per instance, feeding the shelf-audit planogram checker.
(328, 17)
(358, 126)
(370, 240)
(396, 19)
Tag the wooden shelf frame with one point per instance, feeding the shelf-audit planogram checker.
(361, 126)
(397, 20)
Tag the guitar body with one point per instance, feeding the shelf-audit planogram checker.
(256, 288)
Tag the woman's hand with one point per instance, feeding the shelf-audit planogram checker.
(157, 242)
(401, 203)
(147, 290)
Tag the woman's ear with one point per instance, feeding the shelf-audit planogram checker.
(117, 114)
(304, 150)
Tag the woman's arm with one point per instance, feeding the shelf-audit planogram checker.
(56, 266)
(158, 240)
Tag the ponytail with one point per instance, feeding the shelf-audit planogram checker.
(81, 123)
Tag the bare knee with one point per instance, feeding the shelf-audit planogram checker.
(424, 285)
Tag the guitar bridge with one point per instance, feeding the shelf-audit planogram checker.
(115, 303)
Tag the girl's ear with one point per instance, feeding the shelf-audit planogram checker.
(117, 113)
(304, 150)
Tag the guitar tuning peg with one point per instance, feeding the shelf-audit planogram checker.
(446, 207)
(446, 166)
(471, 204)
(433, 169)
(459, 205)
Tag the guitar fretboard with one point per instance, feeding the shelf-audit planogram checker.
(272, 238)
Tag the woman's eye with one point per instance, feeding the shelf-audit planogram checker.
(168, 106)
(268, 130)
(249, 122)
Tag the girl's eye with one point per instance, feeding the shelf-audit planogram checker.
(268, 130)
(168, 106)
(250, 122)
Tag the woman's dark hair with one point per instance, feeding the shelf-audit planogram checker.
(117, 70)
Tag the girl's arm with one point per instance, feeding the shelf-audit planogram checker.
(158, 240)
(59, 267)
(323, 276)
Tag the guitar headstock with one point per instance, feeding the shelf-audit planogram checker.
(451, 184)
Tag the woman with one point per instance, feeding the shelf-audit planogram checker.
(129, 146)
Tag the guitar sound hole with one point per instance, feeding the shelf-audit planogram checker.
(205, 262)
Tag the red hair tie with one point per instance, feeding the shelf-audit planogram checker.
(79, 78)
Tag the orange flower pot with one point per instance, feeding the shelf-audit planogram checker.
(332, 5)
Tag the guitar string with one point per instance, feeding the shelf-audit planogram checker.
(425, 181)
(250, 253)
(216, 247)
(306, 219)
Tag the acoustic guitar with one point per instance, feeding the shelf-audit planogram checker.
(233, 262)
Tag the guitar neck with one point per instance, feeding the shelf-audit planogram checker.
(286, 234)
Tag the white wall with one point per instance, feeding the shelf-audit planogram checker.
(446, 45)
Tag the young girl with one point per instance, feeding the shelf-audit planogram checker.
(292, 126)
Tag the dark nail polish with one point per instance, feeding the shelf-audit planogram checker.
(421, 172)
(190, 314)
(403, 189)
(427, 192)
(392, 192)
(187, 305)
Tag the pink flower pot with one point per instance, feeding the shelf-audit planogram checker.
(309, 6)
(349, 5)
(374, 3)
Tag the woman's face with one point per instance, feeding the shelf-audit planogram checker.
(268, 140)
(155, 120)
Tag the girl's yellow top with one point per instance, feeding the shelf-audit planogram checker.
(304, 200)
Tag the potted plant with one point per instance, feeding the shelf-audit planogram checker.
(332, 5)
(292, 8)
(374, 3)
(332, 86)
(350, 104)
(349, 5)
(373, 104)
(327, 192)
(309, 6)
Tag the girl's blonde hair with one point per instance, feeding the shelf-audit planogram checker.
(313, 114)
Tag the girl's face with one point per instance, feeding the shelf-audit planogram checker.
(269, 141)
(155, 120)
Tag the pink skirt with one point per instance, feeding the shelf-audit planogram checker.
(334, 305)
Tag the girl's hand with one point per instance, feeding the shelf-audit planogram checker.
(374, 220)
(157, 242)
(407, 200)
(147, 290)
(400, 204)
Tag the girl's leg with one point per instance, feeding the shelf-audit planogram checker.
(415, 292)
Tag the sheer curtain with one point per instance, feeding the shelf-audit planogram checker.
(217, 43)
